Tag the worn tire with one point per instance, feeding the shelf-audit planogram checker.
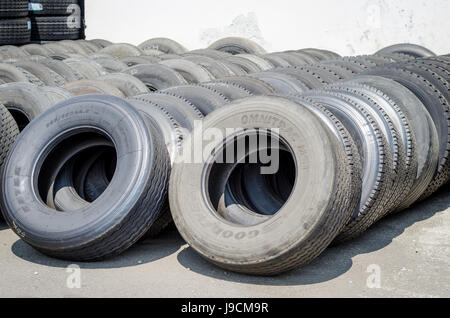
(285, 241)
(124, 212)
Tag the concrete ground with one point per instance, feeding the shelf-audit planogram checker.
(405, 255)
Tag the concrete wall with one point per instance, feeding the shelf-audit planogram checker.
(346, 26)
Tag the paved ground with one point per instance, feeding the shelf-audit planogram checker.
(410, 251)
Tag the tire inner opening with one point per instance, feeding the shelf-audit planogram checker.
(76, 170)
(240, 191)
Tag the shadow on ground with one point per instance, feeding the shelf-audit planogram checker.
(336, 260)
(145, 251)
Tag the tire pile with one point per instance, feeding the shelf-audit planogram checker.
(357, 138)
(23, 21)
(15, 26)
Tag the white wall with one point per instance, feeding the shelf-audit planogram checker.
(345, 26)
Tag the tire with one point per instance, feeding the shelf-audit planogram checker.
(193, 73)
(216, 68)
(205, 99)
(290, 241)
(137, 60)
(252, 84)
(13, 8)
(402, 176)
(243, 63)
(309, 78)
(8, 134)
(283, 84)
(426, 89)
(88, 68)
(110, 64)
(115, 221)
(91, 86)
(69, 74)
(127, 84)
(423, 131)
(25, 101)
(9, 52)
(15, 31)
(10, 74)
(53, 7)
(236, 45)
(93, 179)
(409, 49)
(36, 49)
(377, 164)
(55, 28)
(57, 94)
(75, 47)
(229, 90)
(42, 72)
(101, 43)
(156, 76)
(164, 45)
(262, 63)
(120, 50)
(183, 111)
(167, 125)
(214, 54)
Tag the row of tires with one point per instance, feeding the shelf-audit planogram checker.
(22, 22)
(357, 138)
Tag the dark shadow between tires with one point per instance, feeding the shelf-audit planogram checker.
(335, 260)
(144, 251)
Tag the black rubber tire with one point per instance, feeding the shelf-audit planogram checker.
(13, 8)
(101, 43)
(164, 45)
(309, 78)
(53, 7)
(124, 212)
(377, 160)
(36, 49)
(205, 99)
(137, 60)
(192, 72)
(120, 50)
(252, 84)
(289, 241)
(402, 178)
(15, 31)
(407, 48)
(217, 68)
(8, 134)
(11, 74)
(423, 131)
(214, 54)
(283, 84)
(90, 86)
(69, 74)
(229, 90)
(127, 84)
(168, 126)
(262, 63)
(237, 45)
(109, 63)
(56, 28)
(156, 76)
(243, 63)
(428, 90)
(25, 101)
(44, 73)
(183, 111)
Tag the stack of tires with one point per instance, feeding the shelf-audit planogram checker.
(14, 24)
(353, 138)
(53, 20)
